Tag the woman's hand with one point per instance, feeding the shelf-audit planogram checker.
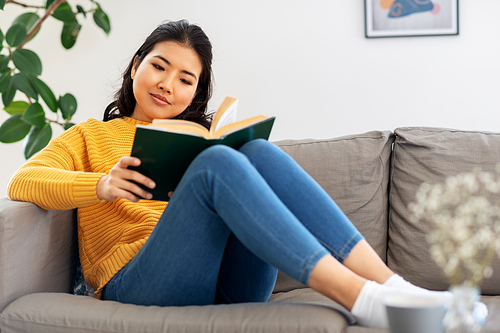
(118, 183)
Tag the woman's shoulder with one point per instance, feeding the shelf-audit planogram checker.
(91, 126)
(118, 123)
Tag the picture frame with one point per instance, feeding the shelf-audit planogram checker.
(410, 18)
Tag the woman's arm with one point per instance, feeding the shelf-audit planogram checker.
(55, 178)
(60, 177)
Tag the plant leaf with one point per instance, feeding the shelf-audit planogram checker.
(68, 105)
(16, 35)
(2, 4)
(102, 19)
(34, 115)
(64, 13)
(37, 139)
(4, 63)
(13, 129)
(28, 20)
(67, 126)
(17, 107)
(22, 83)
(1, 39)
(69, 34)
(8, 95)
(81, 10)
(5, 81)
(47, 95)
(27, 61)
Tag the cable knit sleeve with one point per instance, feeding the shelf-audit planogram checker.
(60, 176)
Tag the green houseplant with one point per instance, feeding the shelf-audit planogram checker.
(31, 117)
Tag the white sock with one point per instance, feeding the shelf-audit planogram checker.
(480, 311)
(397, 281)
(368, 308)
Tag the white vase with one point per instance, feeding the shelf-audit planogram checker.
(460, 317)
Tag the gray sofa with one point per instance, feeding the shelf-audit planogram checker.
(372, 176)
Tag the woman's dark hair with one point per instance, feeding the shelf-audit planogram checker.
(188, 35)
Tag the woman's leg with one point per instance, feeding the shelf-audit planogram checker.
(243, 277)
(357, 284)
(315, 209)
(220, 193)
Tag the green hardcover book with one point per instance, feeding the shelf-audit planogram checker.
(167, 147)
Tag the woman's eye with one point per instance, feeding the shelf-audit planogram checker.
(186, 82)
(158, 67)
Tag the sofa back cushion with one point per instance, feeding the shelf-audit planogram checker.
(430, 155)
(354, 171)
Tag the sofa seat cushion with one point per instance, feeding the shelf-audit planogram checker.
(360, 329)
(493, 320)
(430, 155)
(58, 312)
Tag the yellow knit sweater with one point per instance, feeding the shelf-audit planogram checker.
(64, 175)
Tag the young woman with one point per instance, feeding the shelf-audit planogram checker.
(235, 218)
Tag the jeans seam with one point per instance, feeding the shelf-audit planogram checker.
(347, 245)
(306, 269)
(341, 256)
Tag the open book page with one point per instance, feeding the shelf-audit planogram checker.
(232, 127)
(181, 126)
(226, 113)
(192, 128)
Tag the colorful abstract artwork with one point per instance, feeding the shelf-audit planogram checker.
(392, 18)
(400, 8)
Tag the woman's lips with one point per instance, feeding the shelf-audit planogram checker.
(160, 100)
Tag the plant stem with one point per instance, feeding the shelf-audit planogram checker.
(22, 4)
(38, 23)
(55, 122)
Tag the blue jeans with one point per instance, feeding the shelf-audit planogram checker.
(234, 219)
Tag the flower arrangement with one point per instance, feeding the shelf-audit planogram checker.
(463, 215)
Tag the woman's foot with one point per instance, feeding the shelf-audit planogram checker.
(480, 311)
(396, 281)
(369, 309)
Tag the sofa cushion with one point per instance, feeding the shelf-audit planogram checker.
(67, 313)
(430, 155)
(354, 171)
(37, 250)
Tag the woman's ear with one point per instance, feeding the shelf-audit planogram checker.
(134, 65)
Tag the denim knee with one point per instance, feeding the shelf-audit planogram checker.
(218, 154)
(256, 145)
(216, 151)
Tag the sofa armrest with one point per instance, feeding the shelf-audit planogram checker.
(38, 250)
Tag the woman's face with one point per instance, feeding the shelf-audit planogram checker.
(165, 82)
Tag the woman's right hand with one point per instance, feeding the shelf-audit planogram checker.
(118, 183)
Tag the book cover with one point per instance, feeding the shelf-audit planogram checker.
(165, 155)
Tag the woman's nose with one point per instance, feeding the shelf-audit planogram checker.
(166, 84)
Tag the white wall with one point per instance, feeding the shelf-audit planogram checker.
(305, 61)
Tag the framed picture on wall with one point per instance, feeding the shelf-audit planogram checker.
(399, 18)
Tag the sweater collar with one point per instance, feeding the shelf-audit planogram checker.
(134, 122)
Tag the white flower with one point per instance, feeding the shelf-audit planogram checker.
(463, 216)
(467, 250)
(488, 272)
